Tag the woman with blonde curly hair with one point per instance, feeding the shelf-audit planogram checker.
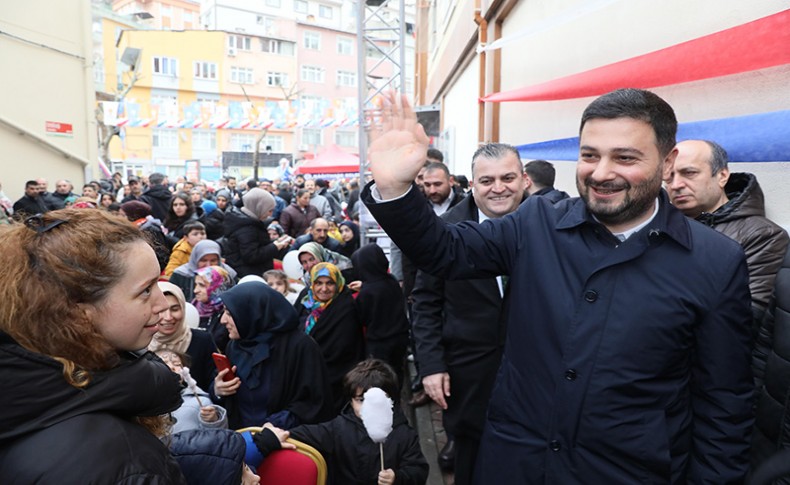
(81, 403)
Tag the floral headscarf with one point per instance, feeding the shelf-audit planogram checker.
(323, 255)
(317, 307)
(218, 281)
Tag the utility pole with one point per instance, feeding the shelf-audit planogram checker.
(256, 162)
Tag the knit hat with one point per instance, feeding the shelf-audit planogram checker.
(223, 193)
(134, 209)
(258, 203)
(277, 227)
(208, 206)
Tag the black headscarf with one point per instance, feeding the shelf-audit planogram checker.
(370, 263)
(349, 247)
(259, 313)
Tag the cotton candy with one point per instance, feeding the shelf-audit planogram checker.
(376, 414)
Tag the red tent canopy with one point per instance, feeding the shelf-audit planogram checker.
(332, 160)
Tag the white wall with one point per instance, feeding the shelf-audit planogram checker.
(619, 29)
(460, 115)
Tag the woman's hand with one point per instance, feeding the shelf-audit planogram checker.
(223, 388)
(355, 285)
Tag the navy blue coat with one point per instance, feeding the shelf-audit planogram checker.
(624, 362)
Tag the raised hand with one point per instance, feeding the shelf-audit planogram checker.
(398, 147)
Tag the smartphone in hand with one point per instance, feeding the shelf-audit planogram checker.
(222, 362)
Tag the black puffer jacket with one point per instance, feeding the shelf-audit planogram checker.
(247, 247)
(52, 432)
(209, 456)
(354, 459)
(772, 372)
(743, 219)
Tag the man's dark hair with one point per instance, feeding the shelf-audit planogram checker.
(541, 173)
(640, 105)
(462, 181)
(251, 184)
(718, 157)
(229, 178)
(371, 373)
(435, 154)
(193, 226)
(301, 192)
(495, 151)
(437, 166)
(321, 183)
(31, 183)
(156, 178)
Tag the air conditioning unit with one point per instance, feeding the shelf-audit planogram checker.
(231, 52)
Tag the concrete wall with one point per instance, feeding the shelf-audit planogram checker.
(47, 76)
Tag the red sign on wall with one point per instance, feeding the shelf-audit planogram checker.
(54, 128)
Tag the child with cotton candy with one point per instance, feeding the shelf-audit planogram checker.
(353, 448)
(197, 410)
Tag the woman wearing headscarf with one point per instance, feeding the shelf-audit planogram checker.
(173, 334)
(205, 253)
(381, 308)
(181, 211)
(312, 253)
(280, 375)
(210, 283)
(330, 317)
(349, 231)
(248, 247)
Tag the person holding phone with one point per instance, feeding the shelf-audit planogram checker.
(280, 376)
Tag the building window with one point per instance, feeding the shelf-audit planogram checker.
(312, 40)
(242, 142)
(274, 141)
(311, 136)
(205, 70)
(310, 104)
(345, 46)
(300, 6)
(312, 74)
(373, 53)
(241, 75)
(166, 66)
(239, 42)
(346, 78)
(277, 79)
(164, 138)
(273, 3)
(188, 19)
(204, 140)
(325, 11)
(346, 138)
(275, 46)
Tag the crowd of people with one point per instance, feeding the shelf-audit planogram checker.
(609, 338)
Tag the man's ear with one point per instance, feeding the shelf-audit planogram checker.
(669, 164)
(722, 177)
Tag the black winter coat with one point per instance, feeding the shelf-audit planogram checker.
(158, 197)
(247, 247)
(52, 432)
(354, 459)
(772, 373)
(339, 335)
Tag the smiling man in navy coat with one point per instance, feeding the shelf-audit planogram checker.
(628, 343)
